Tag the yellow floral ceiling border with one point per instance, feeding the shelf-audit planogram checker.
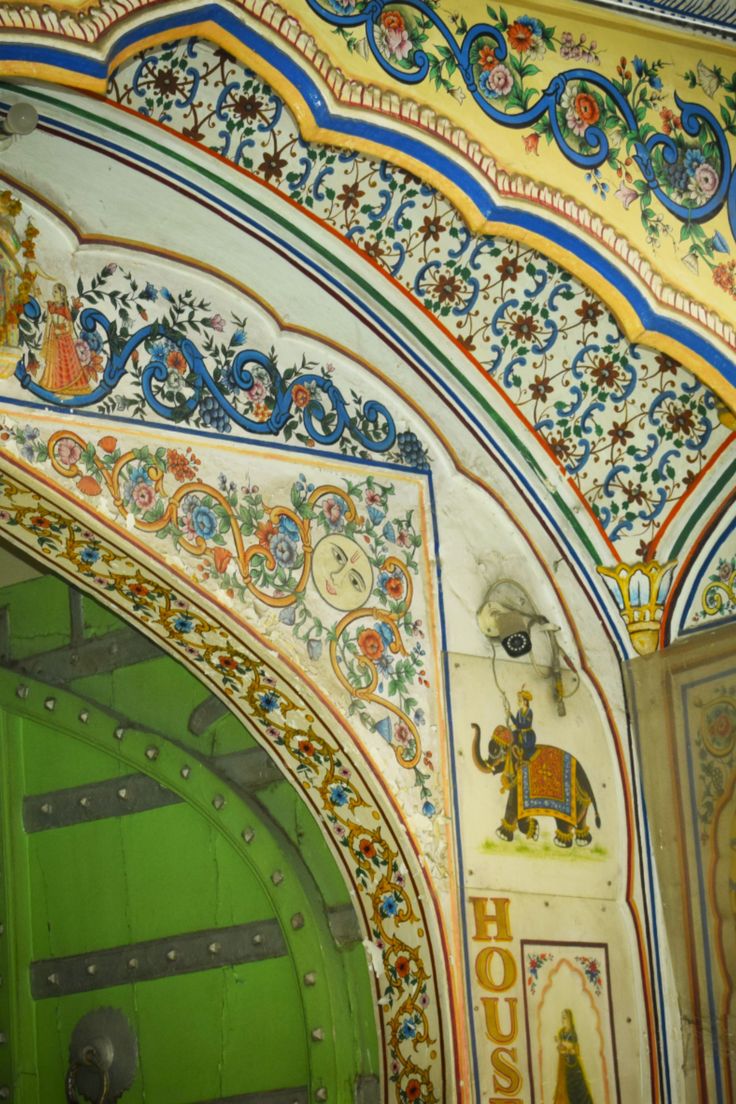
(353, 85)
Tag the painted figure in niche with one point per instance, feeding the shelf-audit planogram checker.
(64, 373)
(342, 572)
(540, 780)
(572, 1085)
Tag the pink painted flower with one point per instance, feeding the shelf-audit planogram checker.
(626, 194)
(707, 179)
(257, 392)
(143, 495)
(576, 124)
(334, 509)
(68, 452)
(394, 38)
(216, 322)
(84, 352)
(372, 497)
(402, 732)
(500, 80)
(403, 539)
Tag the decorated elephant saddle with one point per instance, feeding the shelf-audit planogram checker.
(546, 784)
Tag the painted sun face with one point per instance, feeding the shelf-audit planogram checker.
(342, 572)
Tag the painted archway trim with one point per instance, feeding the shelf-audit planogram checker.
(640, 319)
(397, 904)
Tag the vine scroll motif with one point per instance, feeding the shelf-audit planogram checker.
(170, 352)
(581, 110)
(208, 523)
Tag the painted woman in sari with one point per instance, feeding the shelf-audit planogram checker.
(572, 1086)
(64, 372)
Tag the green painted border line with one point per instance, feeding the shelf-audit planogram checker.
(351, 275)
(729, 475)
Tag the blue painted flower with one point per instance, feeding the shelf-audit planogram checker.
(283, 550)
(183, 624)
(139, 475)
(655, 81)
(269, 701)
(389, 532)
(639, 66)
(428, 809)
(167, 294)
(419, 717)
(385, 632)
(149, 292)
(204, 522)
(338, 794)
(534, 25)
(238, 337)
(90, 555)
(407, 1030)
(94, 341)
(719, 244)
(289, 528)
(389, 906)
(693, 158)
(384, 664)
(376, 515)
(383, 728)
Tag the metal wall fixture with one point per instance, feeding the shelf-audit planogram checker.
(103, 1058)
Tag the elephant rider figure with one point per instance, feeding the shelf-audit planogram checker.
(521, 725)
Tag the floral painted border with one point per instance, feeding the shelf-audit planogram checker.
(629, 427)
(409, 1005)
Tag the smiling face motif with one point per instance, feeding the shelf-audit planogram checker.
(342, 572)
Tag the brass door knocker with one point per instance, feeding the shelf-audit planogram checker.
(90, 1060)
(103, 1058)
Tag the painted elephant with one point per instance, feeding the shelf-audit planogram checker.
(550, 782)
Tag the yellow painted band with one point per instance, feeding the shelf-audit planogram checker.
(615, 300)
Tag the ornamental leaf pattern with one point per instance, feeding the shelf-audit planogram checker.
(629, 427)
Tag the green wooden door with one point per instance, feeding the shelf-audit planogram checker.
(153, 862)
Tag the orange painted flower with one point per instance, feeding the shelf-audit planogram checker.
(531, 143)
(176, 360)
(392, 20)
(138, 589)
(108, 444)
(39, 522)
(403, 966)
(520, 36)
(370, 643)
(222, 558)
(300, 395)
(487, 57)
(367, 848)
(306, 747)
(265, 530)
(413, 1089)
(228, 662)
(587, 109)
(88, 485)
(394, 586)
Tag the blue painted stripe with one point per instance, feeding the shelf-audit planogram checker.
(391, 138)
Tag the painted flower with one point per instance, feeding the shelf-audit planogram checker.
(339, 795)
(393, 37)
(176, 362)
(334, 508)
(94, 341)
(389, 906)
(268, 701)
(183, 624)
(525, 36)
(704, 182)
(587, 109)
(531, 143)
(402, 733)
(487, 57)
(300, 395)
(216, 322)
(408, 1029)
(626, 194)
(89, 555)
(306, 747)
(496, 82)
(204, 521)
(149, 292)
(84, 352)
(257, 391)
(367, 848)
(385, 631)
(289, 528)
(265, 532)
(428, 809)
(143, 495)
(724, 276)
(68, 452)
(370, 643)
(284, 551)
(413, 1089)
